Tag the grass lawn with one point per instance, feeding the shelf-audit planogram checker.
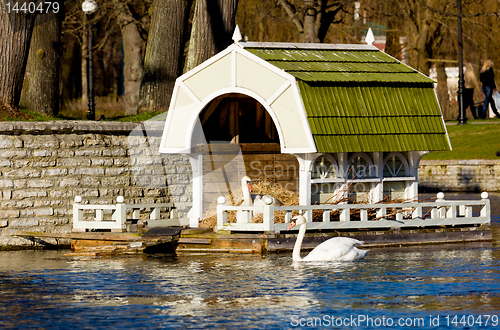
(471, 141)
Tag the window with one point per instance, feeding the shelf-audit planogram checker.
(395, 165)
(360, 166)
(325, 167)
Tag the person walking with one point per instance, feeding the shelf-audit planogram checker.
(470, 85)
(487, 78)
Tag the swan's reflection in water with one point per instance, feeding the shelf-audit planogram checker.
(220, 291)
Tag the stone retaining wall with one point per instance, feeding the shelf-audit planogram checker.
(43, 166)
(460, 175)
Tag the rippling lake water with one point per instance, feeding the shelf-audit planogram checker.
(426, 287)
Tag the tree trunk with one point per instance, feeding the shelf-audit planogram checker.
(164, 53)
(132, 61)
(310, 22)
(213, 27)
(41, 82)
(15, 38)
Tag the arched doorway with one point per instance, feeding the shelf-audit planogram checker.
(236, 118)
(236, 136)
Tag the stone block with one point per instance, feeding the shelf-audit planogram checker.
(118, 152)
(90, 181)
(13, 154)
(6, 142)
(16, 204)
(60, 193)
(55, 172)
(101, 161)
(44, 211)
(44, 163)
(69, 182)
(5, 163)
(111, 192)
(88, 152)
(73, 162)
(116, 181)
(23, 173)
(86, 171)
(4, 223)
(41, 183)
(5, 183)
(23, 223)
(22, 194)
(65, 153)
(112, 171)
(47, 141)
(6, 194)
(71, 141)
(42, 153)
(8, 214)
(121, 161)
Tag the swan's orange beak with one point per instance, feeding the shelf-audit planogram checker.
(249, 187)
(292, 224)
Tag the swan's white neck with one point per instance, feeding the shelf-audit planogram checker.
(298, 243)
(247, 198)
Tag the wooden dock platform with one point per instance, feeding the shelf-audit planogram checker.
(185, 241)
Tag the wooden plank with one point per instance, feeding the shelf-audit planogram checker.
(119, 237)
(187, 240)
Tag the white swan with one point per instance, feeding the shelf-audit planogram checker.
(250, 199)
(255, 199)
(334, 249)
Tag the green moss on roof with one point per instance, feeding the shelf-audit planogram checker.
(362, 100)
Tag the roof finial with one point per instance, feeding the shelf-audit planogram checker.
(369, 39)
(237, 34)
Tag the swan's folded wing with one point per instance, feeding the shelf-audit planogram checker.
(338, 249)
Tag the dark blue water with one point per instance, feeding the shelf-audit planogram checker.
(427, 287)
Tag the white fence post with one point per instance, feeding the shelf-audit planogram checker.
(221, 215)
(381, 212)
(441, 211)
(417, 213)
(485, 210)
(77, 214)
(268, 220)
(363, 214)
(155, 213)
(326, 216)
(345, 214)
(120, 214)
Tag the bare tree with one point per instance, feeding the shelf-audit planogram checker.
(213, 27)
(132, 61)
(16, 29)
(41, 82)
(313, 17)
(164, 53)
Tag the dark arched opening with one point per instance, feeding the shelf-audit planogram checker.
(237, 118)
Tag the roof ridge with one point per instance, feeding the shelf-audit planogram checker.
(298, 46)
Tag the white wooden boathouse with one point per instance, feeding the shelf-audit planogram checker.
(347, 113)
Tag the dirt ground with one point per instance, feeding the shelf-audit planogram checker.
(8, 113)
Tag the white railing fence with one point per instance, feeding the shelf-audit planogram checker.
(114, 216)
(441, 212)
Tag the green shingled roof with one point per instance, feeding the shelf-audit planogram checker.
(359, 99)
